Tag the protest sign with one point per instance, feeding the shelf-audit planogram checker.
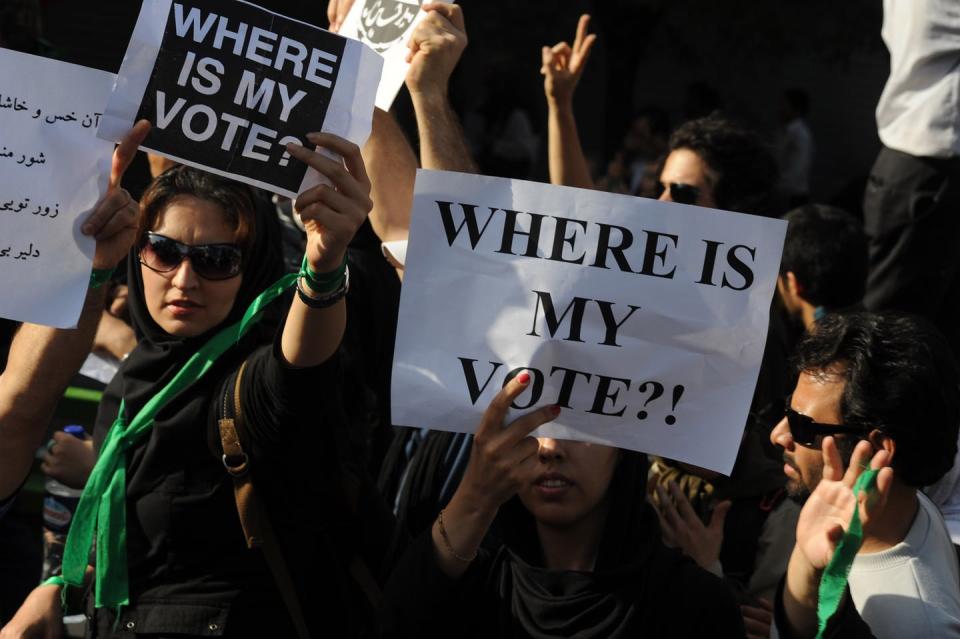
(385, 26)
(228, 84)
(645, 321)
(53, 170)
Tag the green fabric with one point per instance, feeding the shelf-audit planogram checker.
(83, 394)
(325, 282)
(833, 584)
(101, 513)
(99, 276)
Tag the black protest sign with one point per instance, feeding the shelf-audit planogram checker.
(233, 84)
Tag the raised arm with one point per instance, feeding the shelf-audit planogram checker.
(331, 216)
(501, 459)
(43, 360)
(562, 68)
(392, 167)
(435, 48)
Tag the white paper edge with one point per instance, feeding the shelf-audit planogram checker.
(125, 100)
(395, 250)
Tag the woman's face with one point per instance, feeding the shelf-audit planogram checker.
(181, 302)
(569, 482)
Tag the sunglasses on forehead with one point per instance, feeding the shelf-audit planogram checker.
(210, 261)
(805, 431)
(679, 192)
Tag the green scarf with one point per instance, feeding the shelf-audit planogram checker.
(833, 584)
(102, 508)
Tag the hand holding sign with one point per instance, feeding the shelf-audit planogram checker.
(502, 458)
(436, 45)
(563, 65)
(113, 222)
(332, 215)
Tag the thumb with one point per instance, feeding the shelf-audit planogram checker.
(719, 516)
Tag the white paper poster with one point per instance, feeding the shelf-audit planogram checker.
(227, 85)
(53, 171)
(645, 321)
(385, 26)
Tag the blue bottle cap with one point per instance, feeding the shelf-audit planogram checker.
(75, 430)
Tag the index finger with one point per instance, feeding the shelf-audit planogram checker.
(492, 422)
(127, 150)
(349, 151)
(582, 25)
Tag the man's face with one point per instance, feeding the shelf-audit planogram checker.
(684, 167)
(818, 397)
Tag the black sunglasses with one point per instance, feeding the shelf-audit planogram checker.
(210, 261)
(805, 431)
(679, 192)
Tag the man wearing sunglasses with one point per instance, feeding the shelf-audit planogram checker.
(715, 163)
(891, 381)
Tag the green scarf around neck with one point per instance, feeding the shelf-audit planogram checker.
(102, 511)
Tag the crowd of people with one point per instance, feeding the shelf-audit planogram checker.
(244, 478)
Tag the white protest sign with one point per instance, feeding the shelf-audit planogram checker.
(645, 321)
(385, 26)
(53, 170)
(227, 85)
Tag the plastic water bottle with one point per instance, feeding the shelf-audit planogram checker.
(59, 504)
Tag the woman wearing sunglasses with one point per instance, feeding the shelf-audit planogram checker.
(171, 556)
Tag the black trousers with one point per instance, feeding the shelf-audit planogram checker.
(912, 219)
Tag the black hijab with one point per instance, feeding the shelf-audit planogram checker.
(158, 355)
(602, 603)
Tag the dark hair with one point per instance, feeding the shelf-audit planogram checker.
(798, 100)
(901, 378)
(746, 169)
(826, 249)
(236, 200)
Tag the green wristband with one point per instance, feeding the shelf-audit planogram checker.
(323, 282)
(100, 276)
(56, 580)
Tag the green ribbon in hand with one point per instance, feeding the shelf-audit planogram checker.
(103, 504)
(833, 584)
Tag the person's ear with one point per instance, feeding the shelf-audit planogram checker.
(881, 441)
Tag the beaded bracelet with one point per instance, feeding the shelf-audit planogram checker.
(100, 276)
(323, 282)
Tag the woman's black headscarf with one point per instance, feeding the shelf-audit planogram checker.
(158, 355)
(597, 604)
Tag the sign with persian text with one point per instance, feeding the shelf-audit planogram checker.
(53, 171)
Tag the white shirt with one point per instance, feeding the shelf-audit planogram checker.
(919, 111)
(912, 589)
(795, 156)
